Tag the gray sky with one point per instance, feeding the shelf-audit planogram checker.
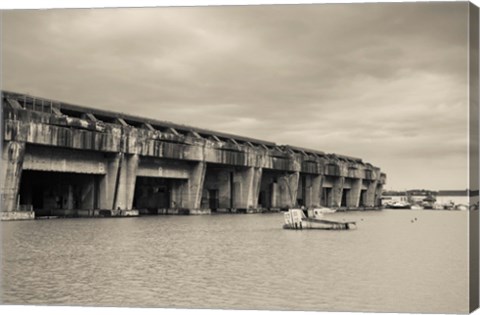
(383, 82)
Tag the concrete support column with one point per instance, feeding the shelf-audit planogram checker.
(195, 185)
(378, 195)
(371, 190)
(69, 205)
(287, 188)
(108, 183)
(88, 195)
(13, 153)
(179, 195)
(313, 191)
(126, 182)
(276, 196)
(246, 188)
(353, 200)
(337, 191)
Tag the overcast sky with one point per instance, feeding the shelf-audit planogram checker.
(383, 82)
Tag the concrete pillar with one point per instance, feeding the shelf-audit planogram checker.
(246, 188)
(108, 183)
(286, 190)
(337, 191)
(195, 185)
(353, 200)
(87, 194)
(313, 191)
(371, 190)
(274, 200)
(179, 195)
(126, 182)
(378, 195)
(69, 201)
(13, 153)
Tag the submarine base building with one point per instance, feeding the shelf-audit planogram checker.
(61, 159)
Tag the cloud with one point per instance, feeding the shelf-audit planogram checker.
(384, 82)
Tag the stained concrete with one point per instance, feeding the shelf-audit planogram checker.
(205, 170)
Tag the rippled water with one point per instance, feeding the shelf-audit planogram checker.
(388, 264)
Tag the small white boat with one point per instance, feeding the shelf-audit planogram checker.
(416, 207)
(461, 207)
(400, 205)
(295, 219)
(322, 210)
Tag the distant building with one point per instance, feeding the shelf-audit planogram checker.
(418, 196)
(392, 196)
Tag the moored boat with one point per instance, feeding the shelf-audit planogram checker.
(295, 219)
(399, 205)
(322, 210)
(416, 207)
(461, 207)
(318, 212)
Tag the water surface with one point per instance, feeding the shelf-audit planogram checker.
(391, 263)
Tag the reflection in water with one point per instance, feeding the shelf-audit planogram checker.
(391, 263)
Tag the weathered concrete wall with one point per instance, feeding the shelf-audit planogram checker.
(286, 190)
(309, 190)
(109, 182)
(355, 190)
(195, 185)
(337, 191)
(371, 192)
(40, 158)
(16, 215)
(217, 181)
(12, 165)
(127, 175)
(246, 187)
(58, 137)
(164, 168)
(179, 194)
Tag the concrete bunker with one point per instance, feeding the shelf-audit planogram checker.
(97, 157)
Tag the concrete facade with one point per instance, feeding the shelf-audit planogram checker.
(63, 159)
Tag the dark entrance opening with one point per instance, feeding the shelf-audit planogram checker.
(326, 197)
(152, 194)
(213, 201)
(37, 197)
(261, 199)
(265, 197)
(232, 191)
(302, 191)
(52, 193)
(345, 195)
(268, 197)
